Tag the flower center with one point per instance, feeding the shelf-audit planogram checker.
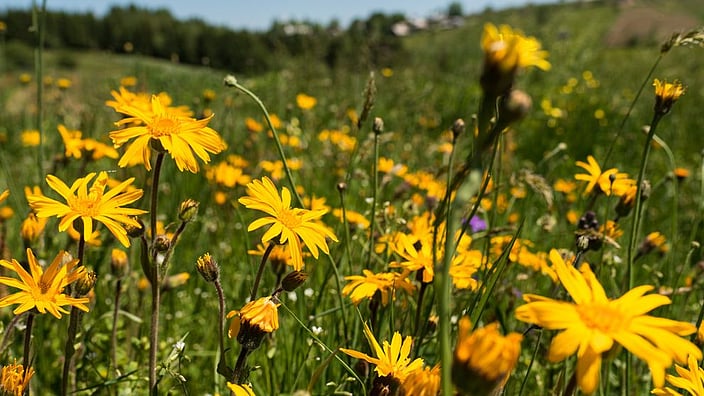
(86, 207)
(162, 126)
(289, 219)
(602, 317)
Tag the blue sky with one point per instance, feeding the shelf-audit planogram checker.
(258, 15)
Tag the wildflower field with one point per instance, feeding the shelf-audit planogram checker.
(516, 208)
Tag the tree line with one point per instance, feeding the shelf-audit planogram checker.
(155, 32)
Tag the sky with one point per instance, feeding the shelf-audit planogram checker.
(259, 15)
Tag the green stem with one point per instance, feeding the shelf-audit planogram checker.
(27, 341)
(39, 22)
(346, 226)
(156, 276)
(639, 201)
(530, 365)
(113, 335)
(289, 176)
(74, 320)
(260, 271)
(240, 364)
(375, 182)
(222, 364)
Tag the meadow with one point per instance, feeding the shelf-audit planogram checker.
(297, 221)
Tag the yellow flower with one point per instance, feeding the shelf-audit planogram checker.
(293, 225)
(180, 136)
(25, 78)
(654, 241)
(393, 359)
(227, 175)
(128, 81)
(208, 95)
(367, 285)
(354, 219)
(30, 138)
(415, 259)
(690, 379)
(253, 125)
(98, 150)
(41, 289)
(483, 359)
(90, 204)
(305, 102)
(423, 382)
(253, 321)
(240, 389)
(63, 83)
(505, 52)
(32, 227)
(608, 182)
(15, 379)
(594, 323)
(666, 94)
(72, 141)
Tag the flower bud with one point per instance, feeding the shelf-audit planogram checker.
(188, 210)
(208, 268)
(135, 232)
(378, 125)
(293, 280)
(85, 283)
(118, 261)
(162, 243)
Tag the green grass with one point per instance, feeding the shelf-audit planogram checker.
(438, 82)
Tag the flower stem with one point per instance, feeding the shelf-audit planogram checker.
(639, 201)
(239, 366)
(113, 335)
(222, 364)
(27, 340)
(375, 182)
(233, 83)
(156, 278)
(74, 320)
(39, 23)
(260, 271)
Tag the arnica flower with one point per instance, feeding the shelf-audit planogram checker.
(305, 102)
(654, 241)
(365, 286)
(31, 228)
(256, 319)
(294, 226)
(690, 379)
(240, 389)
(593, 324)
(392, 360)
(15, 380)
(483, 359)
(608, 182)
(182, 137)
(41, 289)
(424, 382)
(90, 204)
(666, 94)
(30, 138)
(505, 52)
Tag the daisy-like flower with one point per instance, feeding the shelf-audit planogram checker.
(392, 359)
(594, 323)
(294, 226)
(305, 102)
(15, 379)
(5, 211)
(90, 204)
(666, 94)
(365, 286)
(254, 321)
(505, 52)
(180, 136)
(415, 259)
(609, 182)
(690, 379)
(41, 289)
(423, 382)
(483, 359)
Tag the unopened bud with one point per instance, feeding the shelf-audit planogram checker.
(378, 125)
(293, 280)
(85, 283)
(188, 210)
(514, 107)
(457, 128)
(208, 268)
(118, 261)
(342, 186)
(162, 243)
(135, 232)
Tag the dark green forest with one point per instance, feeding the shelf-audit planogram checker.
(157, 33)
